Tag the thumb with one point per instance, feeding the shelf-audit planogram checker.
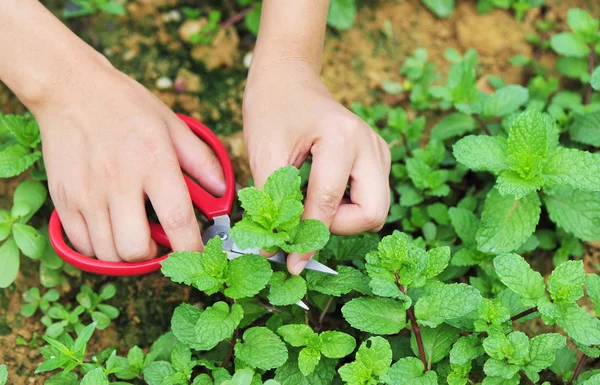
(330, 171)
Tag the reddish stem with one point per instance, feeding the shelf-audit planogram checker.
(415, 327)
(324, 312)
(229, 355)
(237, 17)
(588, 94)
(524, 314)
(525, 378)
(578, 369)
(483, 125)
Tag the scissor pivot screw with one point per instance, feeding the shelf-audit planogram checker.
(224, 236)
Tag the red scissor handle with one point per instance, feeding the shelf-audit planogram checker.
(211, 207)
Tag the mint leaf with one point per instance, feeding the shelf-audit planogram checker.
(309, 235)
(504, 101)
(482, 153)
(308, 359)
(543, 349)
(15, 159)
(375, 315)
(337, 344)
(503, 369)
(577, 212)
(261, 348)
(183, 324)
(3, 374)
(574, 168)
(568, 44)
(437, 342)
(95, 377)
(9, 262)
(585, 126)
(578, 323)
(453, 125)
(205, 271)
(285, 289)
(592, 286)
(296, 335)
(507, 223)
(341, 14)
(518, 276)
(467, 348)
(284, 184)
(583, 24)
(259, 206)
(157, 371)
(26, 131)
(465, 224)
(289, 373)
(596, 79)
(247, 276)
(565, 362)
(347, 279)
(29, 240)
(511, 183)
(410, 371)
(446, 302)
(528, 144)
(31, 193)
(566, 282)
(437, 260)
(216, 323)
(373, 359)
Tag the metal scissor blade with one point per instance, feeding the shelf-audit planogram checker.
(311, 265)
(302, 305)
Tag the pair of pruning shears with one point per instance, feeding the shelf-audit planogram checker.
(216, 209)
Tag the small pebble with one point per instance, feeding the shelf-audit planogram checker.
(247, 59)
(164, 83)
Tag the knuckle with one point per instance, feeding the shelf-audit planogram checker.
(328, 202)
(374, 219)
(135, 253)
(180, 218)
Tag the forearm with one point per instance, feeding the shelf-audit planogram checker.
(39, 53)
(292, 30)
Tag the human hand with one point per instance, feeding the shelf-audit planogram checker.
(108, 143)
(289, 114)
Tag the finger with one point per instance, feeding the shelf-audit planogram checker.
(171, 200)
(198, 159)
(76, 230)
(130, 227)
(332, 163)
(101, 236)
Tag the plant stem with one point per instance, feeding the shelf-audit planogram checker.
(483, 125)
(578, 369)
(229, 355)
(524, 314)
(237, 17)
(415, 327)
(588, 94)
(324, 312)
(527, 379)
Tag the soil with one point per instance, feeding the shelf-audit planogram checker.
(209, 82)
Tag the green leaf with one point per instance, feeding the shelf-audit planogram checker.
(582, 23)
(247, 276)
(543, 349)
(441, 8)
(95, 377)
(512, 184)
(183, 324)
(9, 262)
(437, 260)
(108, 292)
(574, 68)
(248, 234)
(347, 279)
(410, 371)
(83, 338)
(596, 79)
(309, 235)
(465, 224)
(26, 131)
(375, 315)
(252, 19)
(15, 159)
(568, 44)
(373, 359)
(446, 302)
(577, 212)
(296, 335)
(216, 323)
(3, 374)
(286, 289)
(113, 8)
(261, 349)
(341, 14)
(578, 323)
(503, 369)
(33, 193)
(337, 344)
(566, 282)
(504, 101)
(518, 276)
(528, 144)
(592, 286)
(205, 271)
(135, 357)
(156, 372)
(437, 342)
(308, 359)
(586, 127)
(574, 168)
(259, 206)
(467, 348)
(29, 240)
(482, 153)
(565, 362)
(101, 320)
(289, 373)
(506, 224)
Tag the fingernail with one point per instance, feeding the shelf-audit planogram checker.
(298, 267)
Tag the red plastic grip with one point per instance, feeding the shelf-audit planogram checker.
(209, 205)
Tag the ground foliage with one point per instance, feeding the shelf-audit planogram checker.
(440, 296)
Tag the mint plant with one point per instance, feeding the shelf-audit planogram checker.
(79, 8)
(20, 145)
